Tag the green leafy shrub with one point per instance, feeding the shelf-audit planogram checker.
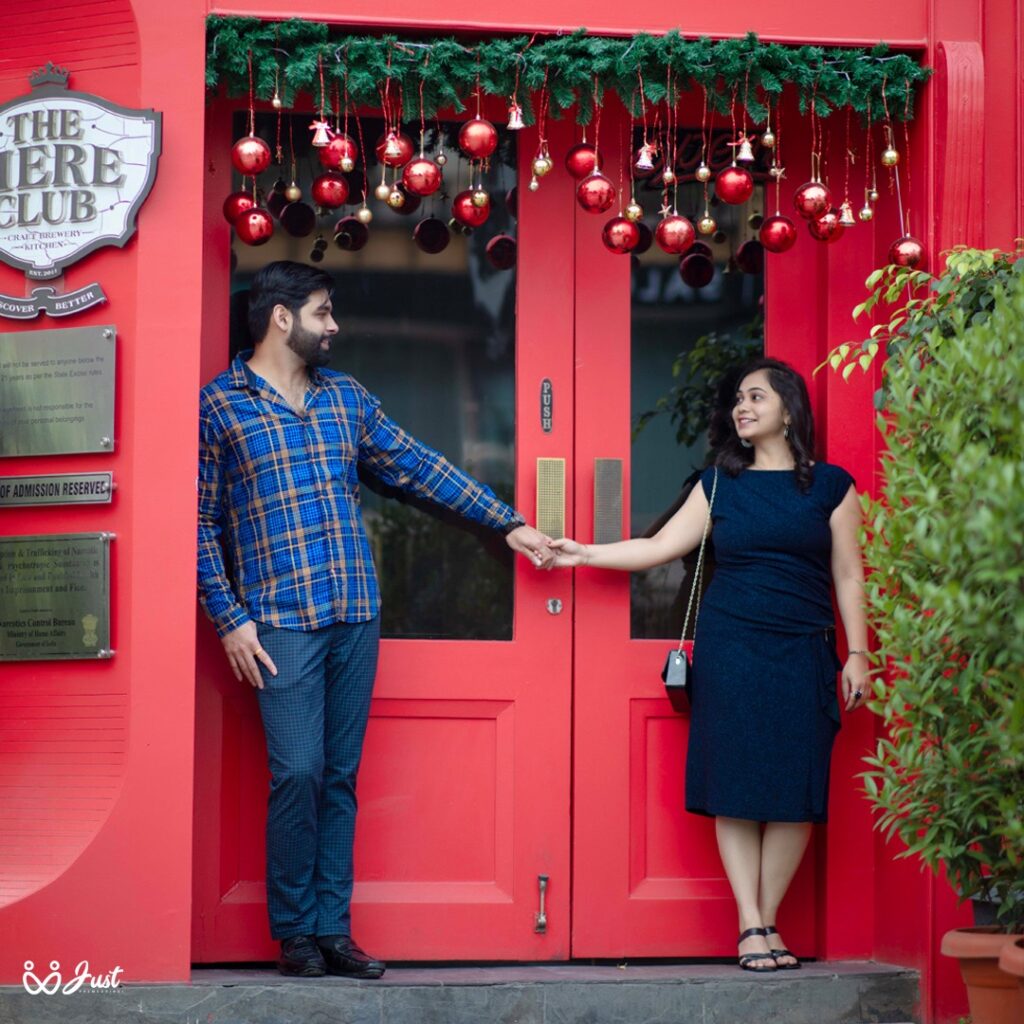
(946, 591)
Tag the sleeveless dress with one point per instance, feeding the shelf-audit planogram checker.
(765, 711)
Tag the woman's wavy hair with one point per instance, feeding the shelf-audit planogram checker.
(731, 454)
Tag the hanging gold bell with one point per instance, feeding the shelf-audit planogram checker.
(321, 133)
(392, 147)
(746, 152)
(846, 217)
(515, 116)
(644, 160)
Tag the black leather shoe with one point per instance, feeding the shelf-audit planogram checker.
(344, 957)
(301, 958)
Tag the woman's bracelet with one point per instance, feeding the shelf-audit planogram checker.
(857, 652)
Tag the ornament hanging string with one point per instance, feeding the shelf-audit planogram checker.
(362, 151)
(777, 164)
(906, 154)
(252, 100)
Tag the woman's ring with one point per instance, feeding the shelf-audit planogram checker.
(857, 695)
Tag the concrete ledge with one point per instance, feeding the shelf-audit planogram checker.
(825, 993)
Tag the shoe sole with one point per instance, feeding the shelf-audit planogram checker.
(304, 972)
(370, 974)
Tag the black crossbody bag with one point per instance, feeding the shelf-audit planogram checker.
(676, 673)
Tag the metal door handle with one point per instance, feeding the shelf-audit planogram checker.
(551, 497)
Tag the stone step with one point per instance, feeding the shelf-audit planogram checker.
(820, 993)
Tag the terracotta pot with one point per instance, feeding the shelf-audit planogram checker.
(1011, 960)
(993, 995)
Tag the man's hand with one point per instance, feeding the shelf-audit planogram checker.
(245, 654)
(531, 543)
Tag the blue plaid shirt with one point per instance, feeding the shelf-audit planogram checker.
(283, 490)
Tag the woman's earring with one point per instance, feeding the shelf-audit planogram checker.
(746, 443)
(785, 433)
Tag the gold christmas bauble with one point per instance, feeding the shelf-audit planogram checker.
(364, 215)
(768, 140)
(706, 225)
(382, 192)
(396, 199)
(480, 198)
(634, 211)
(873, 195)
(348, 164)
(890, 157)
(755, 220)
(866, 213)
(669, 177)
(293, 193)
(542, 165)
(703, 173)
(441, 159)
(534, 185)
(276, 102)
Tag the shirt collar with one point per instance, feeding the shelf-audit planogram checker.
(243, 377)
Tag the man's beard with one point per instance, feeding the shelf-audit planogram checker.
(306, 345)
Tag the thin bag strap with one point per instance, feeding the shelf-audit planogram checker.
(700, 567)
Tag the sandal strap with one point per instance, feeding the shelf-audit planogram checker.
(782, 952)
(770, 929)
(749, 933)
(748, 958)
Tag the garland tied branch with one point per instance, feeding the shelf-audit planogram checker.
(446, 72)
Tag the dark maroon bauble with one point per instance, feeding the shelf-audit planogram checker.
(421, 177)
(696, 270)
(236, 204)
(512, 201)
(595, 193)
(298, 219)
(276, 201)
(501, 252)
(254, 227)
(700, 248)
(907, 252)
(580, 161)
(250, 155)
(620, 235)
(411, 204)
(675, 234)
(350, 234)
(734, 185)
(432, 235)
(330, 190)
(341, 147)
(750, 257)
(466, 213)
(828, 227)
(646, 238)
(812, 199)
(777, 233)
(401, 158)
(478, 138)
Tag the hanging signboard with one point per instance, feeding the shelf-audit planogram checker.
(74, 171)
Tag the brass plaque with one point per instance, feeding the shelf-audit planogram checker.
(55, 596)
(57, 489)
(57, 391)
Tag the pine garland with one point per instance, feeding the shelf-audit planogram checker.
(287, 55)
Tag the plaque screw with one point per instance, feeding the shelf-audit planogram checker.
(108, 333)
(105, 442)
(554, 605)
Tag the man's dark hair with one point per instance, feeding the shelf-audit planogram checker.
(283, 283)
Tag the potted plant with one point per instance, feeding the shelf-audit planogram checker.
(945, 543)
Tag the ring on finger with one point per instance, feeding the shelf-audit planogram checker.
(857, 694)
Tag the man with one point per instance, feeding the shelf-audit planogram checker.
(281, 440)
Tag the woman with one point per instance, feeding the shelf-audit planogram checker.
(764, 706)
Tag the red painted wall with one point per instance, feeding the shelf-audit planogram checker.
(127, 864)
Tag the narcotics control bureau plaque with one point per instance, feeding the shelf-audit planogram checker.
(57, 391)
(55, 597)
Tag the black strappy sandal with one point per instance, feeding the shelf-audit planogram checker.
(746, 960)
(770, 929)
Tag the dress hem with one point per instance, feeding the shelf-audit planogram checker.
(812, 819)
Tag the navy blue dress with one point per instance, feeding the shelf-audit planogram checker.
(764, 706)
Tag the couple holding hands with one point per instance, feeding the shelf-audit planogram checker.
(281, 440)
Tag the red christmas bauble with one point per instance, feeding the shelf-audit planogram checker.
(402, 145)
(581, 160)
(350, 234)
(341, 147)
(812, 200)
(501, 252)
(330, 190)
(827, 227)
(432, 235)
(675, 234)
(734, 185)
(254, 227)
(907, 252)
(646, 238)
(298, 219)
(778, 233)
(250, 155)
(595, 193)
(620, 235)
(465, 212)
(696, 270)
(421, 176)
(750, 257)
(478, 138)
(236, 204)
